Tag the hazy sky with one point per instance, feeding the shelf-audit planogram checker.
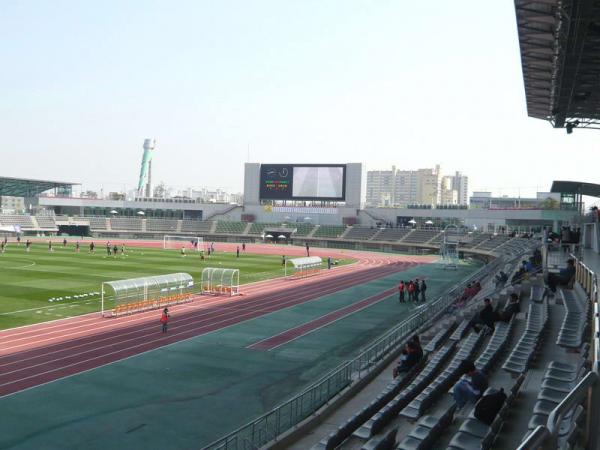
(376, 81)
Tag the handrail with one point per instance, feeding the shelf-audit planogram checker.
(573, 399)
(535, 440)
(282, 418)
(546, 437)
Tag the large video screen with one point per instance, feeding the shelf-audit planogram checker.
(302, 181)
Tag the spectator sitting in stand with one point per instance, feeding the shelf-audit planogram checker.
(487, 316)
(511, 309)
(471, 387)
(409, 359)
(564, 277)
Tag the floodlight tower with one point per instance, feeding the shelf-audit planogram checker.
(146, 169)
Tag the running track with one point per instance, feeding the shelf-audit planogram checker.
(45, 352)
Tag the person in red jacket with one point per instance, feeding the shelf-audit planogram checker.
(164, 319)
(401, 289)
(411, 291)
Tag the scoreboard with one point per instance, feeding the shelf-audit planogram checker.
(303, 181)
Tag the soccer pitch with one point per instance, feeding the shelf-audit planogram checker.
(29, 280)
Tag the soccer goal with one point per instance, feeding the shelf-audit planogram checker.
(188, 242)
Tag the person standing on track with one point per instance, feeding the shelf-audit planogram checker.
(307, 250)
(164, 319)
(401, 289)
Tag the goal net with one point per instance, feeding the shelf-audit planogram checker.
(188, 242)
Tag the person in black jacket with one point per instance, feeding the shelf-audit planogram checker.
(563, 278)
(486, 316)
(423, 289)
(409, 359)
(511, 309)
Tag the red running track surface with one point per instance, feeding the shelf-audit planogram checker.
(45, 352)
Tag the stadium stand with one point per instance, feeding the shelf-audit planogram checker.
(195, 226)
(161, 225)
(420, 236)
(361, 233)
(126, 223)
(258, 228)
(46, 222)
(98, 223)
(390, 234)
(230, 227)
(475, 240)
(329, 231)
(493, 242)
(22, 221)
(302, 229)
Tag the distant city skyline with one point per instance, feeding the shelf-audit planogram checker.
(221, 83)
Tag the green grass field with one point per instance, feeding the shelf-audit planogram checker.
(29, 280)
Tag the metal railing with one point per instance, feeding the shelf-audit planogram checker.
(269, 426)
(546, 437)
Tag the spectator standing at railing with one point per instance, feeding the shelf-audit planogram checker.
(423, 289)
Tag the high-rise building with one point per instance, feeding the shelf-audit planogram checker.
(403, 187)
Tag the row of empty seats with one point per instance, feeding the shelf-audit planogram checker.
(420, 236)
(16, 219)
(126, 223)
(557, 382)
(259, 228)
(574, 322)
(523, 353)
(230, 227)
(196, 226)
(391, 234)
(46, 222)
(361, 233)
(329, 231)
(161, 224)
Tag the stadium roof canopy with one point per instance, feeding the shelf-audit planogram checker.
(560, 56)
(576, 187)
(23, 187)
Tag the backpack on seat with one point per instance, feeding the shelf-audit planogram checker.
(488, 406)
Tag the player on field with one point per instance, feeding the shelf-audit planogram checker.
(50, 246)
(77, 246)
(92, 247)
(115, 250)
(108, 251)
(282, 260)
(18, 240)
(243, 246)
(64, 242)
(2, 245)
(122, 249)
(27, 245)
(182, 250)
(237, 252)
